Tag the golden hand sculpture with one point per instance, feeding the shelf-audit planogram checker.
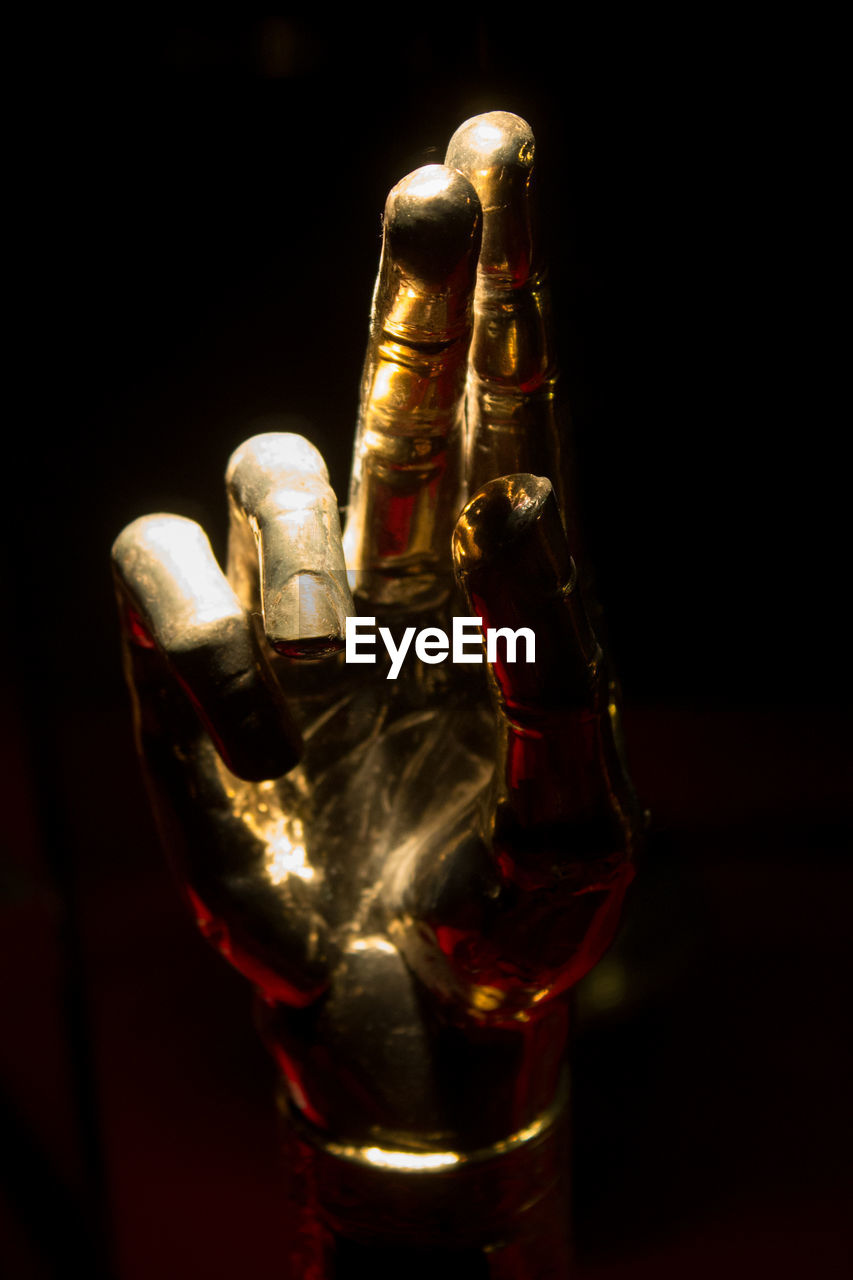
(412, 871)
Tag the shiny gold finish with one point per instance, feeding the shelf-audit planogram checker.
(415, 896)
(425, 1163)
(512, 423)
(511, 530)
(504, 1210)
(284, 550)
(185, 629)
(559, 719)
(407, 477)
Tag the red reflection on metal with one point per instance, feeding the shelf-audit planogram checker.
(394, 529)
(139, 633)
(296, 1084)
(270, 984)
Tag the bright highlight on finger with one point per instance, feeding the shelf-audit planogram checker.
(431, 240)
(495, 153)
(285, 555)
(176, 599)
(407, 482)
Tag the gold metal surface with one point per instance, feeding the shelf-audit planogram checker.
(284, 549)
(407, 478)
(426, 1163)
(511, 420)
(413, 898)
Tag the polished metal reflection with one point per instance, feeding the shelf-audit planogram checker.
(511, 420)
(407, 478)
(413, 896)
(284, 553)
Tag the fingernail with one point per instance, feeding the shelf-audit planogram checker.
(307, 616)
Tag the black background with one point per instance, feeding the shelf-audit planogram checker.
(201, 229)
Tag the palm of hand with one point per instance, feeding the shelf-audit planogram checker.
(306, 863)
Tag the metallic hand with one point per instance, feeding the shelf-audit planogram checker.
(412, 871)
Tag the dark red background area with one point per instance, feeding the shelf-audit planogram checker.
(203, 206)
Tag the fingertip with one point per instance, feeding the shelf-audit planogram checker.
(432, 225)
(408, 470)
(243, 711)
(432, 232)
(491, 148)
(512, 524)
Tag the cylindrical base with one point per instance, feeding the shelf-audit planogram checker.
(497, 1214)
